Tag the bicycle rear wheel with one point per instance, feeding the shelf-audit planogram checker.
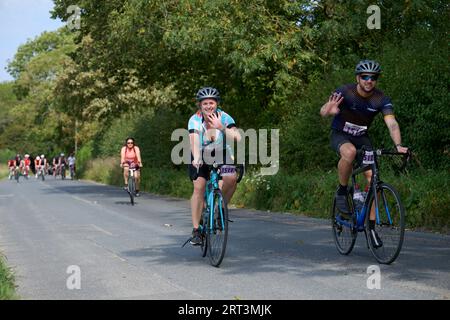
(131, 189)
(390, 224)
(217, 230)
(344, 232)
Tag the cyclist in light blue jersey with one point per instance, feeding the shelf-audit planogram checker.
(209, 128)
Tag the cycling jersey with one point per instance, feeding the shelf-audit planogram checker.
(131, 156)
(27, 162)
(197, 125)
(11, 163)
(71, 161)
(357, 113)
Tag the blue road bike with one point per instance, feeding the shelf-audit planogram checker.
(214, 221)
(381, 197)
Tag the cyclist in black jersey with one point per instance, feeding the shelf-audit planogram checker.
(354, 106)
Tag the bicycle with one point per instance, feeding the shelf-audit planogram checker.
(41, 173)
(63, 171)
(213, 225)
(25, 171)
(131, 189)
(390, 217)
(72, 171)
(14, 172)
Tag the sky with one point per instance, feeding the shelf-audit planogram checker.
(21, 20)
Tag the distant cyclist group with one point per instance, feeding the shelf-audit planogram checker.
(41, 167)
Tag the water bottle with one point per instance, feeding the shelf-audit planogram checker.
(358, 198)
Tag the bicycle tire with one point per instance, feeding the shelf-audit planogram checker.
(131, 189)
(392, 232)
(217, 232)
(344, 236)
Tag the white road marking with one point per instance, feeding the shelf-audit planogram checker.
(101, 230)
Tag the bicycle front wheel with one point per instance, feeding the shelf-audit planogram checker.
(131, 189)
(390, 224)
(217, 230)
(344, 233)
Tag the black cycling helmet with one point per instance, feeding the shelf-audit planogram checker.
(368, 66)
(208, 93)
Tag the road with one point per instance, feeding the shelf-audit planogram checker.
(82, 240)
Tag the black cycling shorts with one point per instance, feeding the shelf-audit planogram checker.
(204, 170)
(338, 138)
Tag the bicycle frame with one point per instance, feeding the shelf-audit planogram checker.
(211, 186)
(361, 215)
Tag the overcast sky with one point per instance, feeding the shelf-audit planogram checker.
(21, 20)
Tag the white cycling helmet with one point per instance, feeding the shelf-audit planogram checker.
(27, 156)
(38, 158)
(42, 156)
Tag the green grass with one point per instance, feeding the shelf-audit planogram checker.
(4, 172)
(7, 286)
(423, 193)
(7, 282)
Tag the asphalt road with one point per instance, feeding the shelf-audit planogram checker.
(81, 240)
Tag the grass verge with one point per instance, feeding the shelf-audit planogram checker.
(309, 193)
(7, 281)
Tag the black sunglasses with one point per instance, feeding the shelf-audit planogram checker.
(366, 77)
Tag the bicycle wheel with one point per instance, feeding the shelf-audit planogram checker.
(217, 230)
(131, 189)
(390, 224)
(344, 232)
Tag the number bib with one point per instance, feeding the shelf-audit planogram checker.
(354, 129)
(368, 157)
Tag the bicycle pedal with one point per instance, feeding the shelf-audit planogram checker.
(186, 242)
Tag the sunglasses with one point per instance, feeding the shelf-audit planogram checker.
(369, 76)
(130, 142)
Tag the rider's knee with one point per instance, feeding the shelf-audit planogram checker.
(348, 152)
(199, 190)
(229, 181)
